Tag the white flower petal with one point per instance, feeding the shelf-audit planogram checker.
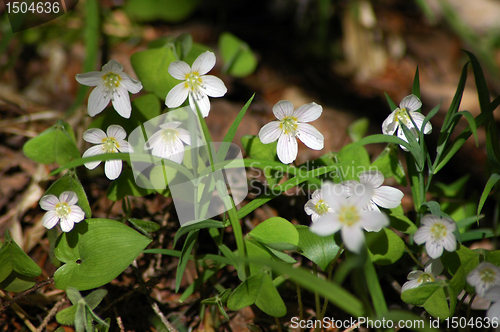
(203, 104)
(76, 214)
(204, 63)
(494, 311)
(335, 195)
(283, 109)
(434, 267)
(49, 202)
(310, 208)
(93, 151)
(66, 225)
(353, 238)
(68, 197)
(270, 132)
(375, 178)
(179, 70)
(98, 100)
(387, 197)
(325, 225)
(373, 221)
(310, 136)
(287, 148)
(414, 275)
(113, 66)
(117, 132)
(389, 125)
(121, 102)
(410, 284)
(177, 95)
(419, 118)
(94, 136)
(124, 146)
(214, 86)
(92, 78)
(493, 294)
(422, 235)
(410, 103)
(434, 249)
(50, 219)
(184, 135)
(308, 112)
(134, 86)
(112, 169)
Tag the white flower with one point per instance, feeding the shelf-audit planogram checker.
(292, 124)
(433, 268)
(113, 141)
(484, 277)
(316, 206)
(494, 296)
(111, 84)
(383, 196)
(437, 233)
(168, 142)
(348, 216)
(407, 108)
(197, 86)
(62, 209)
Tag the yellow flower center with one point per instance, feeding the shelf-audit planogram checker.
(195, 84)
(62, 209)
(438, 231)
(111, 81)
(289, 125)
(348, 215)
(487, 275)
(110, 145)
(169, 135)
(425, 278)
(321, 207)
(402, 116)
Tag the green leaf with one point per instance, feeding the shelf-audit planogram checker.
(397, 316)
(126, 185)
(357, 130)
(459, 264)
(433, 297)
(492, 181)
(144, 226)
(258, 289)
(184, 258)
(319, 249)
(385, 247)
(171, 11)
(53, 145)
(67, 316)
(352, 160)
(401, 222)
(392, 105)
(17, 282)
(416, 84)
(255, 149)
(151, 67)
(275, 230)
(199, 225)
(95, 252)
(389, 165)
(70, 182)
(239, 59)
(13, 258)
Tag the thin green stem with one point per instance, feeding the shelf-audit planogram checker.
(413, 257)
(301, 306)
(317, 299)
(278, 324)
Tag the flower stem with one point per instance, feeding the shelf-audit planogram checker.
(301, 306)
(413, 257)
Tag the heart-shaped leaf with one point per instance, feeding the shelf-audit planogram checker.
(275, 230)
(385, 247)
(258, 289)
(13, 258)
(319, 249)
(95, 252)
(239, 59)
(56, 144)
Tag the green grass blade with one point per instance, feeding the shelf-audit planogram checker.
(416, 85)
(492, 181)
